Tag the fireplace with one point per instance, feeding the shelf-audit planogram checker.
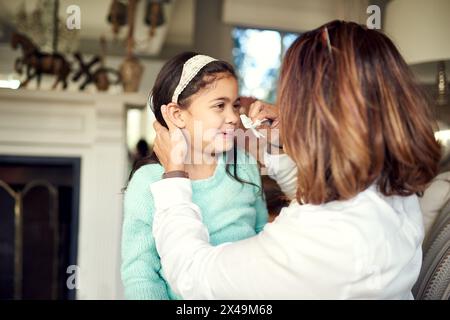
(77, 141)
(39, 210)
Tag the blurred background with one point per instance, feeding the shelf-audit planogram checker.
(74, 81)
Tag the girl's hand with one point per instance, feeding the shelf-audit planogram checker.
(170, 144)
(259, 111)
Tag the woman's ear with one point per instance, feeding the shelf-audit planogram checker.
(175, 115)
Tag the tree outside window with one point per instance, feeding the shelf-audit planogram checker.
(257, 56)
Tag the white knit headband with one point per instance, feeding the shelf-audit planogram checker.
(190, 70)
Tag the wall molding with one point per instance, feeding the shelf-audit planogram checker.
(91, 127)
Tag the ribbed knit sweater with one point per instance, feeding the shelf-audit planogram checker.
(231, 211)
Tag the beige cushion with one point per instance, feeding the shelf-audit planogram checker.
(434, 199)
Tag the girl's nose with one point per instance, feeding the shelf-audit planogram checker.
(232, 117)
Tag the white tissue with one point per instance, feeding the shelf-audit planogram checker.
(248, 124)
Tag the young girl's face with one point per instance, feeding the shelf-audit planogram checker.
(213, 116)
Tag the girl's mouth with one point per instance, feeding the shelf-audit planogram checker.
(227, 134)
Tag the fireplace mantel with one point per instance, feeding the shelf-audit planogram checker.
(91, 127)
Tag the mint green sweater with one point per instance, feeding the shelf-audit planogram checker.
(231, 211)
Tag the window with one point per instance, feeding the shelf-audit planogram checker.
(138, 127)
(257, 56)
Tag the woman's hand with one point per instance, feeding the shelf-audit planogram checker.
(259, 111)
(170, 144)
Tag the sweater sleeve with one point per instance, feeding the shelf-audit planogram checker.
(140, 261)
(284, 171)
(270, 265)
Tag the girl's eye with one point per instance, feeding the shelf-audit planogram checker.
(220, 106)
(237, 106)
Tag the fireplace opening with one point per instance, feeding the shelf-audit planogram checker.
(39, 208)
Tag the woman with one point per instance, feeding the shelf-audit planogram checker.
(359, 149)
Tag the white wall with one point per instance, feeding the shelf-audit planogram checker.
(420, 28)
(91, 127)
(292, 15)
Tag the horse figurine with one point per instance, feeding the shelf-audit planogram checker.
(39, 62)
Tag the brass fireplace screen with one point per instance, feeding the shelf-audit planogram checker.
(29, 236)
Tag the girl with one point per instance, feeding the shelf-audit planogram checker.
(359, 147)
(201, 94)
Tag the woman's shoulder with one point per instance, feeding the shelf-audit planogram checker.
(369, 210)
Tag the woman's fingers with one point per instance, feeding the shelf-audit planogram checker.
(255, 108)
(170, 147)
(159, 141)
(275, 124)
(158, 127)
(259, 111)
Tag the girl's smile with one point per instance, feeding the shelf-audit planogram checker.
(227, 134)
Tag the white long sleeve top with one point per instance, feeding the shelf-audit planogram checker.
(368, 247)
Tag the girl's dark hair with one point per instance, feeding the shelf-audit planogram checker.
(164, 87)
